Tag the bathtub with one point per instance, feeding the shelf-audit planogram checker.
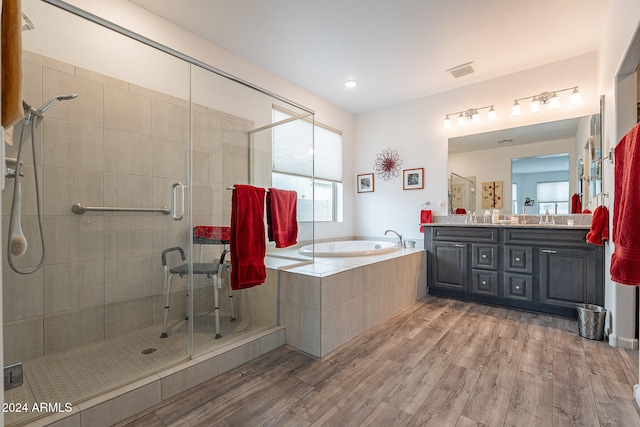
(348, 248)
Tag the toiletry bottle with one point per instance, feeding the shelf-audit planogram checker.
(474, 219)
(487, 217)
(495, 218)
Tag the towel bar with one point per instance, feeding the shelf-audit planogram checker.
(79, 209)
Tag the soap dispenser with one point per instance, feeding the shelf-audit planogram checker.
(495, 218)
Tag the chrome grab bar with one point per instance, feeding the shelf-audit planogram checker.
(79, 209)
(175, 214)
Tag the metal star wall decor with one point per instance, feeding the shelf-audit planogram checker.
(387, 164)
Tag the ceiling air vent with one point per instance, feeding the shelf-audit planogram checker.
(463, 70)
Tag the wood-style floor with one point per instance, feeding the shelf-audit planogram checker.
(440, 362)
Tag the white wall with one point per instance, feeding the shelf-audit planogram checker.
(414, 129)
(616, 59)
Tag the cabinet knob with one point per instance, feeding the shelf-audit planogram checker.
(484, 282)
(517, 288)
(517, 259)
(484, 256)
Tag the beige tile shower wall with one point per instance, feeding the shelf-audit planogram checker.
(117, 144)
(322, 313)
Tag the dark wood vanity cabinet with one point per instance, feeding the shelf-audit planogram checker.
(534, 268)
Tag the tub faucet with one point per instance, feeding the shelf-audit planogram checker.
(397, 234)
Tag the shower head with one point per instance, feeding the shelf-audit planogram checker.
(40, 111)
(29, 110)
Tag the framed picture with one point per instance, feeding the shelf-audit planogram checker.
(413, 179)
(365, 183)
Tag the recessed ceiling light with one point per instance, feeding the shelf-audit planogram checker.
(350, 83)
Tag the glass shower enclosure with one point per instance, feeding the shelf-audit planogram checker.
(150, 148)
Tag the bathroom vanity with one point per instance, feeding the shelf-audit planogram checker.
(544, 268)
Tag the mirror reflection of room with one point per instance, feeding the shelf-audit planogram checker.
(541, 167)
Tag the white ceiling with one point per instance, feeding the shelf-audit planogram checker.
(397, 50)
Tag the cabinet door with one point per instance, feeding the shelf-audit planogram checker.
(450, 265)
(566, 276)
(484, 256)
(484, 282)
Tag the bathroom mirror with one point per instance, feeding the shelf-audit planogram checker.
(488, 157)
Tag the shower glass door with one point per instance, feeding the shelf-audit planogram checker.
(90, 318)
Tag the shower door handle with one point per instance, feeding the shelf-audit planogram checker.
(177, 207)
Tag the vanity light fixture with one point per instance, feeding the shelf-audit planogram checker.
(551, 99)
(350, 83)
(472, 114)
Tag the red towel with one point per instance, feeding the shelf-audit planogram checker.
(576, 204)
(281, 217)
(599, 226)
(625, 260)
(426, 217)
(461, 211)
(247, 244)
(213, 232)
(586, 211)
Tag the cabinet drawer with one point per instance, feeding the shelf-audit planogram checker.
(484, 256)
(465, 234)
(545, 236)
(484, 282)
(518, 259)
(518, 286)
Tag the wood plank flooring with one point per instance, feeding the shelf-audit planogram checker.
(440, 362)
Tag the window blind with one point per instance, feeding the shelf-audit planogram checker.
(295, 145)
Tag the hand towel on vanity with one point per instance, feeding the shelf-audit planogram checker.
(625, 260)
(599, 226)
(247, 244)
(12, 110)
(426, 217)
(282, 217)
(461, 211)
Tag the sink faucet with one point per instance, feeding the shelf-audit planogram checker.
(399, 236)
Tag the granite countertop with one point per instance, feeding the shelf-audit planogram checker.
(581, 222)
(509, 225)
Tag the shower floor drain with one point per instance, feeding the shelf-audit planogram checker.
(148, 351)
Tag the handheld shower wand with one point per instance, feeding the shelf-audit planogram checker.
(17, 242)
(29, 110)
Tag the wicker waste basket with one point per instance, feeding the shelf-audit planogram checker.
(591, 320)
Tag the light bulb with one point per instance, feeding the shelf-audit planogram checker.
(575, 98)
(350, 83)
(491, 115)
(516, 110)
(447, 123)
(475, 117)
(534, 107)
(461, 120)
(554, 101)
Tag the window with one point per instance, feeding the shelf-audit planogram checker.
(302, 150)
(553, 196)
(514, 197)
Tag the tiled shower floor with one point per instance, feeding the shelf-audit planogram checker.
(78, 374)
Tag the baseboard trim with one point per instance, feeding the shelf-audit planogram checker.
(630, 343)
